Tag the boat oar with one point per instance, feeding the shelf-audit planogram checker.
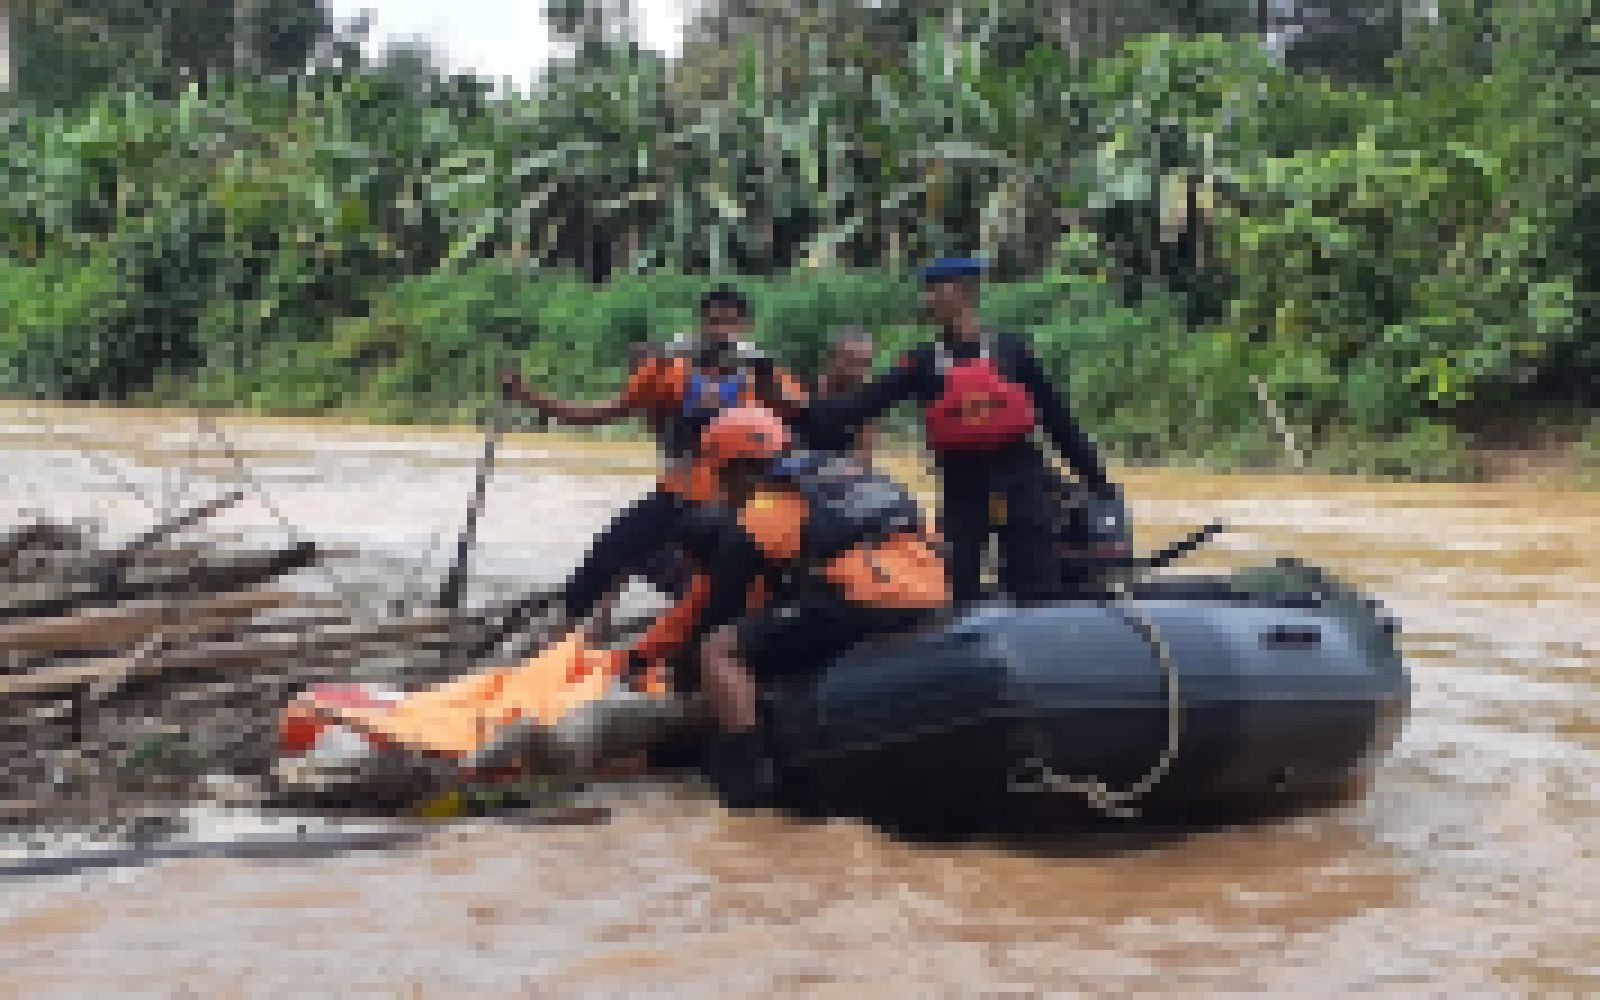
(455, 580)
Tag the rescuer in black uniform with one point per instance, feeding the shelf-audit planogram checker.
(984, 396)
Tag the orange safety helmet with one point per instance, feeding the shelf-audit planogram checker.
(743, 433)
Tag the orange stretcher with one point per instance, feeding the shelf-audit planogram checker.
(459, 717)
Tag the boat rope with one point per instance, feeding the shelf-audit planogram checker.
(1094, 791)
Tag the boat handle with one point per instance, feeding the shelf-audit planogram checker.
(1289, 635)
(965, 637)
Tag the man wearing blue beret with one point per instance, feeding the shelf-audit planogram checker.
(984, 398)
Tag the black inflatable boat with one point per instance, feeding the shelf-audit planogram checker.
(1178, 696)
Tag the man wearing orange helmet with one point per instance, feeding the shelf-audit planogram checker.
(802, 555)
(842, 551)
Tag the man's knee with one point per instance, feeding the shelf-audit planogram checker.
(722, 642)
(720, 662)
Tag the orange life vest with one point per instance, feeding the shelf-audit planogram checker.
(687, 398)
(828, 519)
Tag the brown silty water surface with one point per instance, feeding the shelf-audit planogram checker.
(1470, 868)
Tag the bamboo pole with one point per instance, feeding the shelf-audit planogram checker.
(1285, 432)
(6, 72)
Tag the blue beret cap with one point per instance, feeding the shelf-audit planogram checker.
(952, 267)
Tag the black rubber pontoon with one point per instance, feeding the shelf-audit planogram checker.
(1286, 684)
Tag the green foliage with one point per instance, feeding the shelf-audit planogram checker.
(1403, 243)
(1427, 450)
(1587, 454)
(69, 50)
(429, 347)
(50, 329)
(795, 317)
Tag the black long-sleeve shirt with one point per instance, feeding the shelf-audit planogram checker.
(917, 377)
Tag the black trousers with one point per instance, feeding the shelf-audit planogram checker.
(633, 543)
(1023, 480)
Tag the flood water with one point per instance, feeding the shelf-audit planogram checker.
(1472, 867)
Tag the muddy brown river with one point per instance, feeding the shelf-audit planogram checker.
(1471, 868)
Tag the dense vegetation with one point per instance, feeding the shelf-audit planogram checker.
(1394, 221)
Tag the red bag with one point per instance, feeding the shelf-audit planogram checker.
(979, 408)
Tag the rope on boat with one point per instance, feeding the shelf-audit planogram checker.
(1100, 796)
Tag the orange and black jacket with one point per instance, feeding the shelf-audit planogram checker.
(824, 524)
(679, 398)
(820, 523)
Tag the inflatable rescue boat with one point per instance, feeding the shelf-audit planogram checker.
(1183, 696)
(1168, 696)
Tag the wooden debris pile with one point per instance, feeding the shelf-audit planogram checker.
(134, 671)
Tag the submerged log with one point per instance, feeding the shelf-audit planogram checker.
(38, 535)
(211, 576)
(103, 567)
(39, 570)
(289, 844)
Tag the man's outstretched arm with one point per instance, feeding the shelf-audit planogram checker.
(580, 413)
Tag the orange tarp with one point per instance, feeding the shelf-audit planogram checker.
(459, 717)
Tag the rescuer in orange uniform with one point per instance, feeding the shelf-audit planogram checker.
(842, 554)
(803, 554)
(678, 390)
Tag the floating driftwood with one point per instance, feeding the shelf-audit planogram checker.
(121, 559)
(301, 844)
(215, 574)
(38, 535)
(286, 652)
(116, 627)
(132, 670)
